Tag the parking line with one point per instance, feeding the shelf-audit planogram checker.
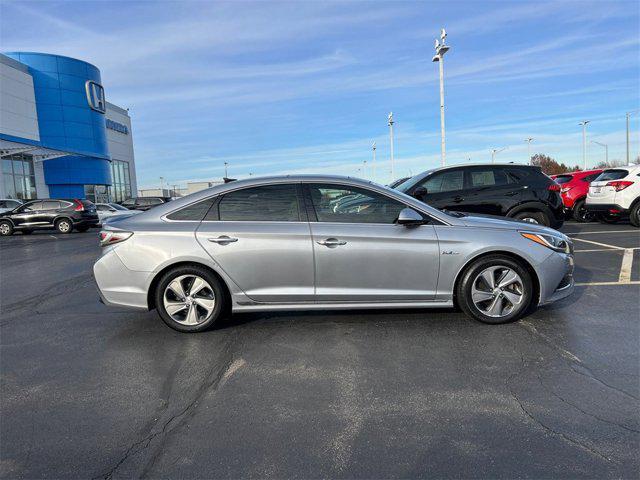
(603, 231)
(599, 244)
(602, 250)
(625, 269)
(595, 284)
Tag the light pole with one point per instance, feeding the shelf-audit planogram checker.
(584, 124)
(391, 143)
(364, 170)
(161, 186)
(226, 173)
(606, 151)
(494, 152)
(528, 140)
(373, 147)
(441, 49)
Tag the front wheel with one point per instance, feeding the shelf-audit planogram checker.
(634, 215)
(6, 229)
(64, 225)
(539, 218)
(190, 298)
(495, 289)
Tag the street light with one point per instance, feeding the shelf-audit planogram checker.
(606, 151)
(584, 124)
(628, 115)
(494, 152)
(226, 173)
(528, 140)
(441, 49)
(373, 147)
(391, 142)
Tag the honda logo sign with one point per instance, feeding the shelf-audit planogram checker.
(95, 96)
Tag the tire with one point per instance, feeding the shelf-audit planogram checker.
(580, 213)
(606, 218)
(634, 215)
(512, 302)
(64, 226)
(199, 311)
(540, 218)
(27, 232)
(6, 228)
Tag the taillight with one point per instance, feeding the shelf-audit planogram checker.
(619, 184)
(79, 206)
(554, 187)
(110, 237)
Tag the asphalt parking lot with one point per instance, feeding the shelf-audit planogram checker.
(93, 392)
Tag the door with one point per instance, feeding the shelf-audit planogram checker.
(490, 191)
(260, 237)
(362, 255)
(49, 212)
(26, 215)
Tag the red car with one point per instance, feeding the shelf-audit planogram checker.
(574, 188)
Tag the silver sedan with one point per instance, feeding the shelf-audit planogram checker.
(324, 242)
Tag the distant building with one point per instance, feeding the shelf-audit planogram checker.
(59, 137)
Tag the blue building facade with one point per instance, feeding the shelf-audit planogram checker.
(70, 110)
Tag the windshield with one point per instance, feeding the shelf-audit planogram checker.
(118, 207)
(405, 186)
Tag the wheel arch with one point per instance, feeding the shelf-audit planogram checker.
(514, 256)
(7, 219)
(151, 302)
(530, 207)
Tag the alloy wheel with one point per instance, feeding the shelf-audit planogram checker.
(64, 226)
(4, 229)
(189, 300)
(497, 291)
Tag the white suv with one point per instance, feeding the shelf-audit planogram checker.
(616, 192)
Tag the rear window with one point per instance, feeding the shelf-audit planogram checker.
(192, 213)
(563, 179)
(612, 175)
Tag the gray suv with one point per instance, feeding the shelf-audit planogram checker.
(324, 242)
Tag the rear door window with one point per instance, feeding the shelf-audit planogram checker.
(268, 203)
(612, 175)
(50, 205)
(486, 177)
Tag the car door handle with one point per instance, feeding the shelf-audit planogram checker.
(223, 240)
(512, 194)
(458, 199)
(331, 242)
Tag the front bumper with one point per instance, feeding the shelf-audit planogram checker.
(556, 278)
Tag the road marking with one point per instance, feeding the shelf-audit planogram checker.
(595, 284)
(625, 269)
(603, 231)
(599, 244)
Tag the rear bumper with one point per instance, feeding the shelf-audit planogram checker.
(606, 208)
(119, 286)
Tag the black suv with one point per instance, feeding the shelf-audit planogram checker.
(522, 192)
(64, 215)
(144, 203)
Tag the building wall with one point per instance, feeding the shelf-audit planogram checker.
(120, 141)
(18, 116)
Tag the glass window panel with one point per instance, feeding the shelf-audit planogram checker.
(194, 212)
(18, 169)
(444, 182)
(9, 188)
(343, 204)
(6, 167)
(272, 203)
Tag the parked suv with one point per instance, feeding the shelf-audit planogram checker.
(616, 193)
(573, 189)
(64, 215)
(144, 203)
(521, 192)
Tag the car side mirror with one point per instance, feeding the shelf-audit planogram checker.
(419, 193)
(409, 217)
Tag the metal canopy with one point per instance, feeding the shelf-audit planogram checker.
(39, 154)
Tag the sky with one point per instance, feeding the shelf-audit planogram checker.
(305, 87)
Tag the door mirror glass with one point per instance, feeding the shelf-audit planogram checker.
(408, 216)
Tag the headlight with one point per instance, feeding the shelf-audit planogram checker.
(554, 242)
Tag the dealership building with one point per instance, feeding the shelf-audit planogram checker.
(59, 137)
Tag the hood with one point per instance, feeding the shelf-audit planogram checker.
(491, 221)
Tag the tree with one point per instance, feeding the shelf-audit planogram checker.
(550, 166)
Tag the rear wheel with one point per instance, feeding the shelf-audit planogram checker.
(533, 217)
(6, 229)
(580, 212)
(495, 289)
(190, 298)
(64, 225)
(634, 216)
